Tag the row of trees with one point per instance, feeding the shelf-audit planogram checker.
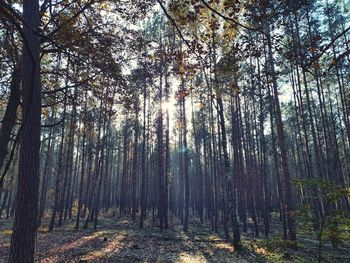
(206, 109)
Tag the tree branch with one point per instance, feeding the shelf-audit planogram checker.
(225, 17)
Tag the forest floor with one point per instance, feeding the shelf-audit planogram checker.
(120, 240)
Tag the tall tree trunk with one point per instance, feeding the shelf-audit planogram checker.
(82, 172)
(185, 161)
(26, 216)
(9, 119)
(143, 165)
(160, 146)
(282, 144)
(47, 170)
(59, 168)
(135, 163)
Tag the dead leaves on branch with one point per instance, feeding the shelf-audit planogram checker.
(202, 24)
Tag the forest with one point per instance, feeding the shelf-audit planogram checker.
(175, 131)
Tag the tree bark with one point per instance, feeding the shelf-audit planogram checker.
(26, 215)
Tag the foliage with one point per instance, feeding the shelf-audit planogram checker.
(331, 224)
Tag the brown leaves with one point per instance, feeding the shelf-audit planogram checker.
(185, 70)
(182, 94)
(235, 90)
(315, 65)
(313, 48)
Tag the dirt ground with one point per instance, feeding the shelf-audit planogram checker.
(120, 240)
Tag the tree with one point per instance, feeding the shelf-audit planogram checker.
(25, 222)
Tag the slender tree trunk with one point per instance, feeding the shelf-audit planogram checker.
(185, 162)
(46, 172)
(9, 119)
(135, 164)
(82, 173)
(282, 145)
(59, 168)
(143, 165)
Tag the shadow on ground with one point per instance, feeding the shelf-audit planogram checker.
(120, 240)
